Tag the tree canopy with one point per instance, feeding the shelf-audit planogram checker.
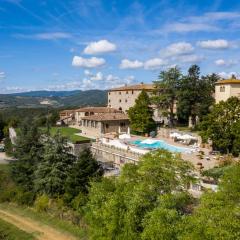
(195, 95)
(141, 114)
(222, 126)
(28, 152)
(166, 89)
(119, 208)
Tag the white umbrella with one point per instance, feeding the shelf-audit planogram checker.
(186, 137)
(175, 134)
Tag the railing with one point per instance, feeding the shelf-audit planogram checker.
(126, 155)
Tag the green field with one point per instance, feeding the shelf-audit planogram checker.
(10, 232)
(69, 133)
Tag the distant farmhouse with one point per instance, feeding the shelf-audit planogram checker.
(225, 89)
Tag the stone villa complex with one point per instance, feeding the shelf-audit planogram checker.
(94, 122)
(225, 89)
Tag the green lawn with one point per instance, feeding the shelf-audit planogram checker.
(69, 133)
(10, 232)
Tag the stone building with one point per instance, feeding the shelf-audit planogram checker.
(122, 98)
(66, 116)
(95, 126)
(90, 111)
(225, 89)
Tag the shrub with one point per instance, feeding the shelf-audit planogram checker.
(24, 198)
(42, 203)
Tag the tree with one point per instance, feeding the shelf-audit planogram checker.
(166, 219)
(28, 152)
(217, 216)
(117, 207)
(195, 95)
(53, 170)
(165, 93)
(206, 94)
(222, 126)
(2, 126)
(82, 171)
(141, 114)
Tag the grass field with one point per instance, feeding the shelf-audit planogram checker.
(69, 133)
(10, 232)
(44, 218)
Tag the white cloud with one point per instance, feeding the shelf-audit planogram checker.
(45, 36)
(102, 46)
(189, 27)
(220, 62)
(227, 75)
(151, 64)
(128, 64)
(97, 77)
(2, 75)
(87, 62)
(216, 16)
(179, 48)
(105, 81)
(214, 44)
(87, 72)
(190, 58)
(94, 77)
(111, 78)
(154, 63)
(226, 63)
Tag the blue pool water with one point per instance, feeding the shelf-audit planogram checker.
(160, 144)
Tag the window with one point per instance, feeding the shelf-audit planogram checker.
(132, 92)
(122, 124)
(120, 109)
(109, 93)
(120, 100)
(222, 89)
(125, 100)
(126, 92)
(109, 100)
(107, 126)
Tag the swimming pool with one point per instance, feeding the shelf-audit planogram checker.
(155, 144)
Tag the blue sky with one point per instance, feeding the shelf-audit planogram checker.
(92, 44)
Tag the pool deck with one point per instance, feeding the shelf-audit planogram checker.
(191, 157)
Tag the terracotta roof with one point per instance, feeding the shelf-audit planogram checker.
(98, 110)
(134, 87)
(229, 81)
(67, 111)
(107, 117)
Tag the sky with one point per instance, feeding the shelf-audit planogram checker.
(94, 44)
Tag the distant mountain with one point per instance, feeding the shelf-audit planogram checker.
(45, 93)
(36, 99)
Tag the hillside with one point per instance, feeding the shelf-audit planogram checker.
(39, 99)
(45, 93)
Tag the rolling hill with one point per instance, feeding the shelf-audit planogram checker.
(39, 99)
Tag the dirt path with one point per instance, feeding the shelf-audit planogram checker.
(41, 231)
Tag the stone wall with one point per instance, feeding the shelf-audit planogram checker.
(111, 154)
